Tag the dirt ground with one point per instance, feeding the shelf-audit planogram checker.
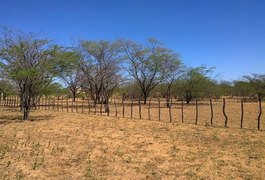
(61, 145)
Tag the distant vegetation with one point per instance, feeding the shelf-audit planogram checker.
(32, 67)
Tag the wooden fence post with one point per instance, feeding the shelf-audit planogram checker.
(83, 99)
(62, 103)
(123, 108)
(53, 103)
(88, 105)
(211, 105)
(72, 105)
(226, 118)
(101, 106)
(76, 105)
(58, 103)
(182, 110)
(132, 109)
(159, 110)
(260, 112)
(67, 104)
(116, 111)
(149, 106)
(95, 106)
(107, 104)
(49, 103)
(169, 108)
(45, 102)
(242, 113)
(196, 103)
(140, 108)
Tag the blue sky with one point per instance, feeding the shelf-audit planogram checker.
(227, 34)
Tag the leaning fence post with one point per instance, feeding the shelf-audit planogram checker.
(211, 105)
(226, 118)
(242, 113)
(140, 108)
(182, 110)
(132, 108)
(260, 112)
(149, 116)
(159, 110)
(196, 119)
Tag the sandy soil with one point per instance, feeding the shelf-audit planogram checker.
(61, 145)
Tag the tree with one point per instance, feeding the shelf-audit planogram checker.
(149, 65)
(257, 81)
(29, 62)
(69, 71)
(100, 65)
(194, 83)
(6, 88)
(243, 89)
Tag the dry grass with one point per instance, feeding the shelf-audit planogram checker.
(60, 145)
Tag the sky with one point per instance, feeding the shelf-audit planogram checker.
(226, 34)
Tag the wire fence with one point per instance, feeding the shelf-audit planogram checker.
(210, 112)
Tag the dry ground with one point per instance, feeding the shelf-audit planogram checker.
(61, 145)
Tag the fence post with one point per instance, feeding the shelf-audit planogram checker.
(83, 99)
(101, 106)
(88, 105)
(76, 105)
(242, 113)
(149, 106)
(53, 103)
(45, 102)
(260, 112)
(72, 105)
(49, 103)
(132, 108)
(108, 109)
(196, 103)
(123, 107)
(95, 106)
(62, 103)
(169, 108)
(58, 103)
(159, 110)
(182, 110)
(226, 118)
(115, 105)
(140, 108)
(67, 103)
(211, 105)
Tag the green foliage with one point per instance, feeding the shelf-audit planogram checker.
(195, 83)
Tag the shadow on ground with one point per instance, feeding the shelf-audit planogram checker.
(15, 118)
